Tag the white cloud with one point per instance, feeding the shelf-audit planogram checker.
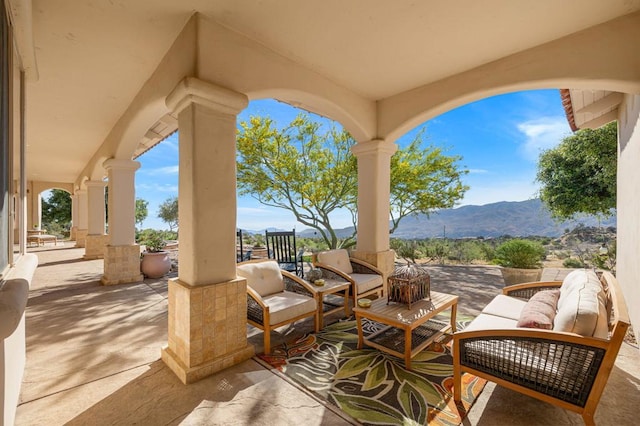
(168, 170)
(157, 187)
(478, 171)
(542, 134)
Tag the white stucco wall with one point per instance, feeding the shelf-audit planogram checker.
(628, 250)
(14, 293)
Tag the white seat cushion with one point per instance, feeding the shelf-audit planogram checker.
(263, 277)
(366, 282)
(505, 306)
(338, 259)
(491, 322)
(286, 305)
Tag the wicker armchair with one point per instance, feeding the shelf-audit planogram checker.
(562, 368)
(275, 297)
(365, 278)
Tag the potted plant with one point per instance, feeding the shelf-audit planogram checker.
(521, 261)
(155, 261)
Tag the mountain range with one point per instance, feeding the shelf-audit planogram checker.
(515, 218)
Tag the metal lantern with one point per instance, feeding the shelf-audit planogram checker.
(408, 284)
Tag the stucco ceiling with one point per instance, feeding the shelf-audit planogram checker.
(93, 56)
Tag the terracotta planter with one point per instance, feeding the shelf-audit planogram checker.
(155, 265)
(516, 276)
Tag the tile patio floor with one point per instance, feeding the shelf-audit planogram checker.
(93, 358)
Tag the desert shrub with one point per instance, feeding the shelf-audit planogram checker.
(467, 251)
(519, 253)
(570, 262)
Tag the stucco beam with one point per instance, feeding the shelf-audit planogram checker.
(601, 57)
(608, 102)
(21, 14)
(148, 106)
(600, 121)
(237, 62)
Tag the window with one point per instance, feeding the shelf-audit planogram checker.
(6, 160)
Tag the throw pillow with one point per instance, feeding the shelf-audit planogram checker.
(540, 310)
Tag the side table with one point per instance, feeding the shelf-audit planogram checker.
(409, 331)
(330, 287)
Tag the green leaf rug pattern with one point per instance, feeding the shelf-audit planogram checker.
(374, 387)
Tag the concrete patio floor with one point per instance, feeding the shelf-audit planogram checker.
(93, 357)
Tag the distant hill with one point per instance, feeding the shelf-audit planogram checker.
(515, 218)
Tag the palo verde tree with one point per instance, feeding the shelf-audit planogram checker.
(313, 174)
(579, 175)
(168, 212)
(423, 181)
(142, 210)
(298, 169)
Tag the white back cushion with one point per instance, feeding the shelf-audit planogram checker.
(338, 259)
(264, 277)
(581, 306)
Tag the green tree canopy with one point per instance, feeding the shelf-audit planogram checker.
(141, 211)
(579, 175)
(423, 181)
(313, 174)
(57, 208)
(168, 212)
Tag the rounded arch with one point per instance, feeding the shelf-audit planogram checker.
(39, 187)
(317, 104)
(604, 57)
(433, 110)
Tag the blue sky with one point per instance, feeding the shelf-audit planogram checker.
(498, 138)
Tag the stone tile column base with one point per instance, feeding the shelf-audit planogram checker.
(81, 237)
(207, 328)
(94, 246)
(383, 260)
(121, 265)
(72, 233)
(191, 375)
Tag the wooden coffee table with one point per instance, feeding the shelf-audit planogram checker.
(330, 287)
(409, 331)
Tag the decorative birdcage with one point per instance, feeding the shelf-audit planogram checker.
(408, 284)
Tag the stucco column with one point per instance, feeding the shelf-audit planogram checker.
(207, 303)
(628, 206)
(83, 218)
(374, 177)
(74, 217)
(122, 254)
(96, 238)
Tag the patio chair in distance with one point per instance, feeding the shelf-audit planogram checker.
(281, 246)
(242, 256)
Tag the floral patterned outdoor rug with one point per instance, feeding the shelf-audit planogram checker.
(373, 387)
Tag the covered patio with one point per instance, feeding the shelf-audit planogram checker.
(93, 359)
(88, 86)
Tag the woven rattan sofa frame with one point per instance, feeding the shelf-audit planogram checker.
(258, 311)
(600, 354)
(359, 267)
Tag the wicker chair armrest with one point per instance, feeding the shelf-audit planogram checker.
(526, 290)
(332, 273)
(561, 365)
(362, 267)
(296, 284)
(255, 296)
(256, 308)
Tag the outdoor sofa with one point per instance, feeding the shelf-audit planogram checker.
(556, 346)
